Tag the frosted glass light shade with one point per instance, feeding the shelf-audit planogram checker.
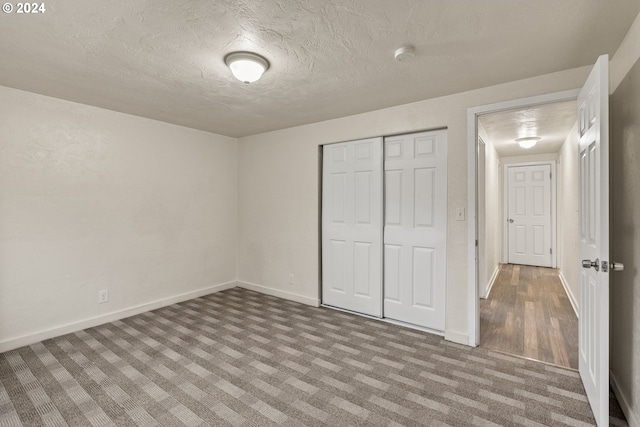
(527, 142)
(246, 66)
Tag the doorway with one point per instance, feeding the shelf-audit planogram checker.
(528, 305)
(593, 215)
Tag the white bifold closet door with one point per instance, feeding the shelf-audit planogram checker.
(352, 226)
(415, 230)
(403, 276)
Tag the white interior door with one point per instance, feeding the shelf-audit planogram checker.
(352, 226)
(529, 214)
(593, 113)
(415, 232)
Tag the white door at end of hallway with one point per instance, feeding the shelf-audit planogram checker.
(415, 232)
(352, 226)
(529, 214)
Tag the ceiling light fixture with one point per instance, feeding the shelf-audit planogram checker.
(528, 141)
(246, 66)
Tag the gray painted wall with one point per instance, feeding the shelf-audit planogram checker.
(625, 240)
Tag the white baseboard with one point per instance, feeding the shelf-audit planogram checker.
(623, 400)
(494, 276)
(572, 298)
(13, 343)
(456, 337)
(279, 293)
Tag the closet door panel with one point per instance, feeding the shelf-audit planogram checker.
(415, 228)
(352, 226)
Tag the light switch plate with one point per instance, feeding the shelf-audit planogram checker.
(460, 214)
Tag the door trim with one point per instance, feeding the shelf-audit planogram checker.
(505, 208)
(472, 193)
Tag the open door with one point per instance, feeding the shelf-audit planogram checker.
(593, 116)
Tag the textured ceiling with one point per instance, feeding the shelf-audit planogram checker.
(163, 59)
(551, 122)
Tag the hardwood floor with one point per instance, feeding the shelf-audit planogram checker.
(529, 314)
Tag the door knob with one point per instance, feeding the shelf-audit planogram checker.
(511, 220)
(587, 263)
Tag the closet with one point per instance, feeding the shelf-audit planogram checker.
(384, 206)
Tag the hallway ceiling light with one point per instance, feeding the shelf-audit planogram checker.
(528, 141)
(246, 66)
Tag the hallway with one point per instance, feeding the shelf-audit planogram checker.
(529, 314)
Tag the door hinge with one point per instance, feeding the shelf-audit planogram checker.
(476, 242)
(550, 251)
(549, 175)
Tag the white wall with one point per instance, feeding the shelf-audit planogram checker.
(93, 199)
(568, 216)
(483, 276)
(625, 223)
(489, 213)
(528, 158)
(279, 189)
(493, 213)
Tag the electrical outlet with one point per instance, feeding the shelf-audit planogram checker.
(290, 279)
(103, 296)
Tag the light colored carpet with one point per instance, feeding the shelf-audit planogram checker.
(245, 359)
